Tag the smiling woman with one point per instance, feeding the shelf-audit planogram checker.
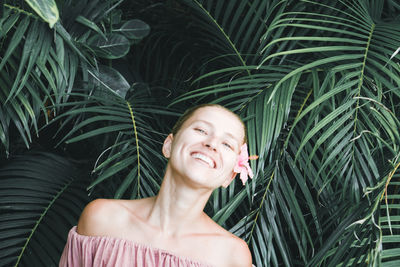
(171, 228)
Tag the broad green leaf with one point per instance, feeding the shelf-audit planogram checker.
(91, 25)
(134, 29)
(114, 46)
(108, 80)
(46, 9)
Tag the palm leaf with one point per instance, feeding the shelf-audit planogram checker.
(132, 153)
(41, 198)
(316, 83)
(388, 246)
(24, 91)
(338, 111)
(39, 66)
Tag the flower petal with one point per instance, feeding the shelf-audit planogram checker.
(242, 165)
(243, 176)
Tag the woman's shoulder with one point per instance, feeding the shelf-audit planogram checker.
(229, 249)
(240, 253)
(101, 216)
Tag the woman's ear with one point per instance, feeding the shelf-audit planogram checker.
(166, 149)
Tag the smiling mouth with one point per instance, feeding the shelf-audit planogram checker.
(205, 159)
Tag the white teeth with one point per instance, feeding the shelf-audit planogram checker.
(204, 158)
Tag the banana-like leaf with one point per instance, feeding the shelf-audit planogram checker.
(41, 198)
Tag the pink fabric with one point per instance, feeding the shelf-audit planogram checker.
(102, 251)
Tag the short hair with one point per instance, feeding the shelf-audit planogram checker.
(190, 111)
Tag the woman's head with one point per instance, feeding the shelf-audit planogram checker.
(204, 145)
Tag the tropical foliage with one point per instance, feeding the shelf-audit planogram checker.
(317, 83)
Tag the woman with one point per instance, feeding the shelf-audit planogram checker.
(206, 149)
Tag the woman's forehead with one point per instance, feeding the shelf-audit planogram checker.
(218, 118)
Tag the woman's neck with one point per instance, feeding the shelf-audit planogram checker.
(177, 206)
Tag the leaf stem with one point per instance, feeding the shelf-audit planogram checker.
(259, 208)
(21, 11)
(225, 35)
(40, 219)
(137, 144)
(362, 78)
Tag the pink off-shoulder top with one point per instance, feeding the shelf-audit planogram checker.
(103, 251)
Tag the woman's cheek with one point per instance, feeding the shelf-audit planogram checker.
(232, 161)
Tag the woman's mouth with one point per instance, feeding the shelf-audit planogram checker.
(204, 158)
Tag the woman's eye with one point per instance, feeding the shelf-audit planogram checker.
(228, 145)
(200, 130)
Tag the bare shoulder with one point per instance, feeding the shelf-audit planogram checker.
(102, 216)
(94, 218)
(230, 250)
(240, 253)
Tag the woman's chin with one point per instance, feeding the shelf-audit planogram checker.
(205, 179)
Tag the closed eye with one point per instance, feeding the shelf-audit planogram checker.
(228, 145)
(200, 130)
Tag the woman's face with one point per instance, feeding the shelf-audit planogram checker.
(206, 148)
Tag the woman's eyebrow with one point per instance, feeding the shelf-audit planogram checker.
(203, 121)
(226, 133)
(232, 137)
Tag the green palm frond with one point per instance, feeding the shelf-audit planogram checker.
(40, 66)
(22, 109)
(328, 117)
(387, 246)
(41, 198)
(132, 148)
(316, 82)
(232, 28)
(30, 70)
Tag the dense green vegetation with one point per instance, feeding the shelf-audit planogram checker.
(89, 89)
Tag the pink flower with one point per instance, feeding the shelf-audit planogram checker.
(242, 165)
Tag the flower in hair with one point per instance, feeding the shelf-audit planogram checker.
(242, 165)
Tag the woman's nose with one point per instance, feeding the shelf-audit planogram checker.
(211, 143)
